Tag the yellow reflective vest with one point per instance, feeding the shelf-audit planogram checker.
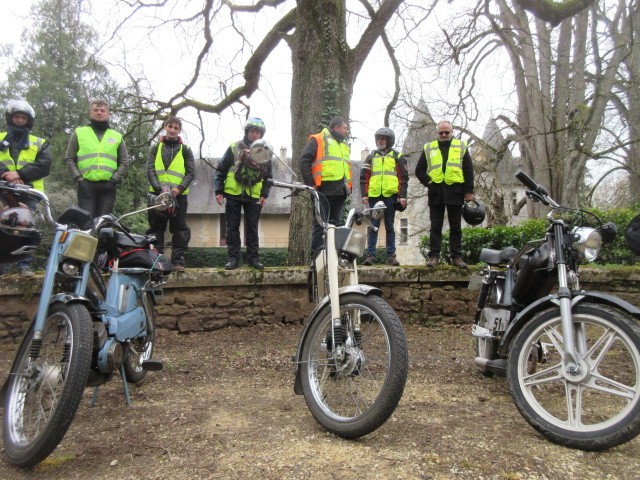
(384, 178)
(172, 176)
(97, 159)
(453, 173)
(28, 155)
(332, 159)
(231, 185)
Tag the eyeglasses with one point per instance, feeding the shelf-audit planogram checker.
(446, 132)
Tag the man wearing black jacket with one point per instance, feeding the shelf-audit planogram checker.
(170, 167)
(445, 168)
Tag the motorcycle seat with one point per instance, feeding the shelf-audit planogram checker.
(497, 257)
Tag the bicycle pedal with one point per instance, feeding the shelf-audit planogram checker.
(152, 365)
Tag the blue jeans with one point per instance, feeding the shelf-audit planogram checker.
(389, 216)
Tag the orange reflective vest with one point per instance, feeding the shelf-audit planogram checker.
(332, 159)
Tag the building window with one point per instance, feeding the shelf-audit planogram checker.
(404, 231)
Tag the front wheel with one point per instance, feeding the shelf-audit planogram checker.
(43, 393)
(353, 376)
(141, 348)
(594, 408)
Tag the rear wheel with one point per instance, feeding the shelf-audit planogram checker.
(43, 393)
(593, 408)
(353, 376)
(141, 348)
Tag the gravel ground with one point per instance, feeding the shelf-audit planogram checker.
(224, 407)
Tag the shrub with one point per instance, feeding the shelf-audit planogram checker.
(209, 257)
(474, 239)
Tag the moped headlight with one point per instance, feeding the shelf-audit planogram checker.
(350, 241)
(79, 246)
(588, 243)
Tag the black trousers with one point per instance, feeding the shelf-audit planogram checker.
(436, 215)
(233, 213)
(97, 198)
(331, 208)
(180, 231)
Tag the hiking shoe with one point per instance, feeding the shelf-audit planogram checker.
(26, 272)
(432, 262)
(231, 265)
(256, 264)
(369, 260)
(392, 260)
(179, 268)
(458, 262)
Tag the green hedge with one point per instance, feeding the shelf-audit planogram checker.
(474, 239)
(212, 257)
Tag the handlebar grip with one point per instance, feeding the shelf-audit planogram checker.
(526, 180)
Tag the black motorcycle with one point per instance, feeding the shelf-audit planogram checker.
(571, 356)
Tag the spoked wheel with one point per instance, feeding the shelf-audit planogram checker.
(593, 408)
(43, 394)
(142, 346)
(353, 377)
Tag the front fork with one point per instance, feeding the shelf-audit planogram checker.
(570, 359)
(339, 331)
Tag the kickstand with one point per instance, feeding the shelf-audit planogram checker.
(125, 388)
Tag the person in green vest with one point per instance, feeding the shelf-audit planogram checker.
(241, 183)
(325, 165)
(24, 159)
(171, 167)
(384, 177)
(445, 168)
(98, 159)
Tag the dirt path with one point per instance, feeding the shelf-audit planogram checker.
(224, 407)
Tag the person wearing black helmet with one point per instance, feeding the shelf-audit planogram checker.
(240, 181)
(24, 158)
(445, 168)
(98, 159)
(171, 167)
(384, 177)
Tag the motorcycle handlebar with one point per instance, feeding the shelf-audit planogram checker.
(539, 191)
(32, 192)
(301, 186)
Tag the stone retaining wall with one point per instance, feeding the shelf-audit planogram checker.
(207, 299)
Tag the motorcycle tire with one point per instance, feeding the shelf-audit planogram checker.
(143, 346)
(599, 407)
(355, 395)
(43, 395)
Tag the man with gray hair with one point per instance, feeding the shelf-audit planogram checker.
(97, 157)
(445, 168)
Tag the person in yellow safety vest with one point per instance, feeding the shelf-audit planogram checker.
(171, 167)
(384, 177)
(445, 168)
(241, 182)
(98, 159)
(24, 159)
(325, 165)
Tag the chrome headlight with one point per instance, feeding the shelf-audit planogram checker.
(350, 241)
(588, 243)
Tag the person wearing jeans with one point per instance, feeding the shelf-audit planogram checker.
(384, 177)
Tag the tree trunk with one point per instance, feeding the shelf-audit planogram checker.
(321, 89)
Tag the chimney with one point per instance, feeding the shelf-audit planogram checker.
(364, 153)
(283, 155)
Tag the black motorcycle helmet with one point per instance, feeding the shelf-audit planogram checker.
(18, 236)
(20, 106)
(473, 213)
(255, 123)
(386, 132)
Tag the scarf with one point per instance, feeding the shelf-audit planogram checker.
(17, 137)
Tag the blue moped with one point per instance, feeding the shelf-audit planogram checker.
(86, 328)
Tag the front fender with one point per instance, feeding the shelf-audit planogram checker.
(315, 315)
(552, 300)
